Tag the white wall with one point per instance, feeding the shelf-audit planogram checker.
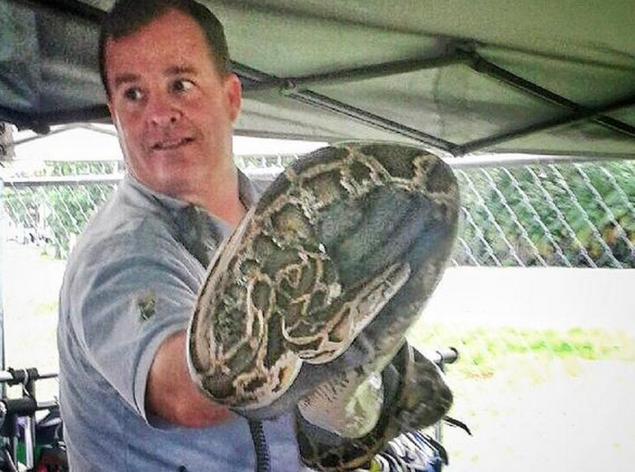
(541, 298)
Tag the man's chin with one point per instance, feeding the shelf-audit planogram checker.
(166, 156)
(167, 179)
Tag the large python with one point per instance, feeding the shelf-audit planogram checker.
(308, 301)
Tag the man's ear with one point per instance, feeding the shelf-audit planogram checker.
(234, 95)
(113, 115)
(111, 110)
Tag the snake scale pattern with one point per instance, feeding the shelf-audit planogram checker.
(342, 250)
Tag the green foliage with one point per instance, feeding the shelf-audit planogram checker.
(578, 215)
(484, 350)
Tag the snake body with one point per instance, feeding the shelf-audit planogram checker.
(345, 246)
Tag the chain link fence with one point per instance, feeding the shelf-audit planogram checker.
(547, 356)
(569, 215)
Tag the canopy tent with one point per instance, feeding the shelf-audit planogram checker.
(458, 76)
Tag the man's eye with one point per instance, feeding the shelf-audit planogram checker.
(182, 85)
(133, 94)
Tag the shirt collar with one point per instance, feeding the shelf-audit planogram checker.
(247, 193)
(199, 231)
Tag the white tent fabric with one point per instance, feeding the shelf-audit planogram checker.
(459, 76)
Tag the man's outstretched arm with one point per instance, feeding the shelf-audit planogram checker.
(171, 393)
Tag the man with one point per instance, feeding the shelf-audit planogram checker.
(127, 399)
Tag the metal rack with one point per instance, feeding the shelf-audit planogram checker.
(14, 409)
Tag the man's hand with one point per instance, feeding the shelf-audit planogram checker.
(172, 395)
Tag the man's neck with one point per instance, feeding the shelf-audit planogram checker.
(221, 196)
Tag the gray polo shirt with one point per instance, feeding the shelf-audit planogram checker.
(132, 281)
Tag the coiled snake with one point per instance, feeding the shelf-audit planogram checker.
(310, 297)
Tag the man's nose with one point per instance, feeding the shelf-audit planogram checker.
(163, 112)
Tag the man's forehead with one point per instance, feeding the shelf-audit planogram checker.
(171, 43)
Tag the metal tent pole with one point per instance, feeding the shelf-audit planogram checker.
(483, 66)
(586, 114)
(254, 77)
(2, 238)
(355, 74)
(6, 152)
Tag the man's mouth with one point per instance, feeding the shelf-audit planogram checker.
(170, 144)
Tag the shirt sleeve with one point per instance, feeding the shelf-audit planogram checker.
(131, 294)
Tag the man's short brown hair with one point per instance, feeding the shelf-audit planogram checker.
(128, 16)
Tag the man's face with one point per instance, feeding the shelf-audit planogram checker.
(174, 112)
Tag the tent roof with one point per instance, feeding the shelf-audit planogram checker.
(459, 76)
